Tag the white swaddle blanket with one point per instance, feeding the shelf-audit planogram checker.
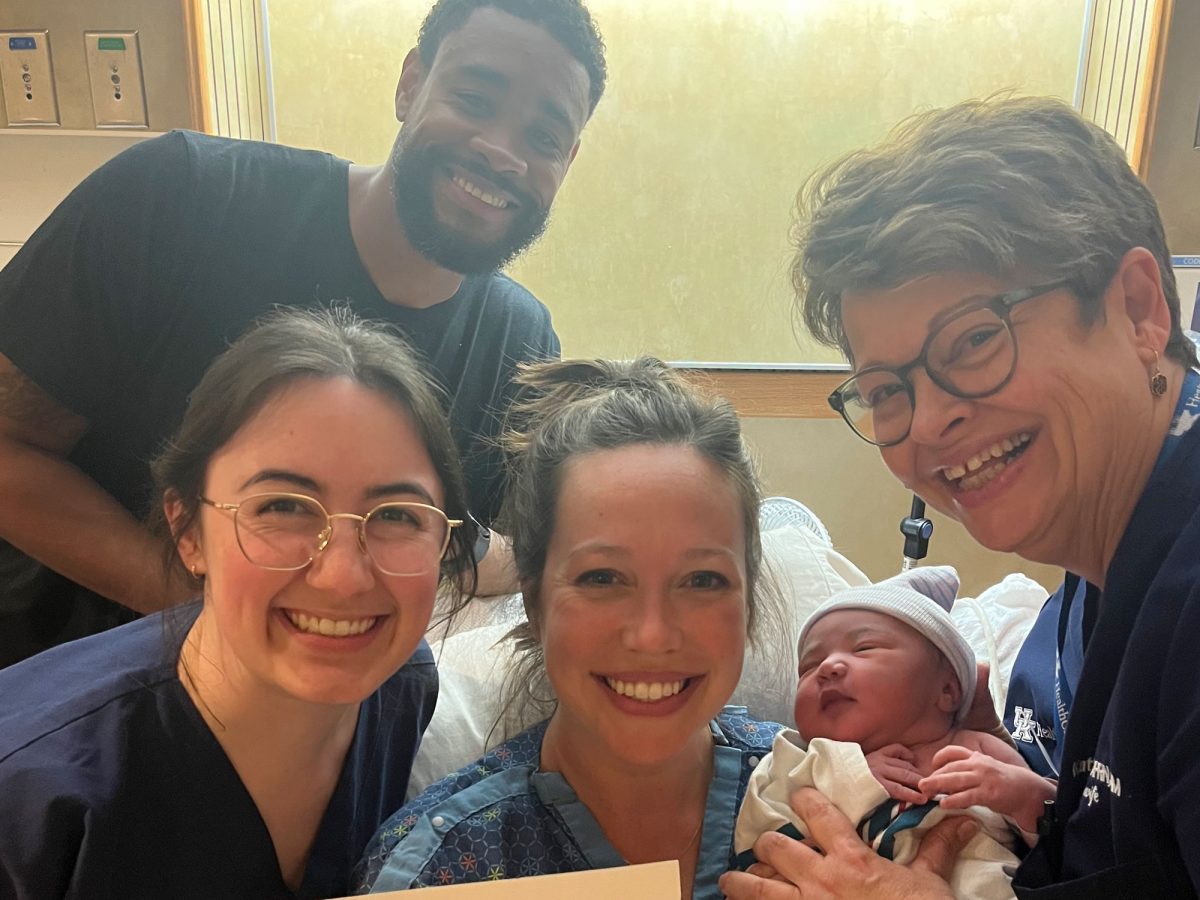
(839, 771)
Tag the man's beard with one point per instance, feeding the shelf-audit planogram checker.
(413, 173)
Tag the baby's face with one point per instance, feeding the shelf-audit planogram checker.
(870, 679)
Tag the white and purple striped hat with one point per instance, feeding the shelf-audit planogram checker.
(920, 598)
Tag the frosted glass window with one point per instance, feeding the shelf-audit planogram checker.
(670, 235)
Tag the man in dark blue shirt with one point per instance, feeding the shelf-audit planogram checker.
(116, 305)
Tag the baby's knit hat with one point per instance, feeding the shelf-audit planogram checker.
(920, 598)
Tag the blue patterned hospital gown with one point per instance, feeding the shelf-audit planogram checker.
(501, 818)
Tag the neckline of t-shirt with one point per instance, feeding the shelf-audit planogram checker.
(371, 298)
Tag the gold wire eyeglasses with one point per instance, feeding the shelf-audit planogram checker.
(285, 532)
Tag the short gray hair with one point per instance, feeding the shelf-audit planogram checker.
(1004, 186)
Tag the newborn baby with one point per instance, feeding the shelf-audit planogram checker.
(885, 683)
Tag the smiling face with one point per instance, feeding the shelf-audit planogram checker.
(642, 606)
(335, 630)
(490, 129)
(870, 679)
(1024, 469)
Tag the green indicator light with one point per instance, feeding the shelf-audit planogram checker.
(112, 43)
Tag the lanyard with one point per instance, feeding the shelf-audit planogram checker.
(1187, 413)
(1063, 691)
(1074, 623)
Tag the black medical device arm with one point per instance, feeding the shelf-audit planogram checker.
(916, 530)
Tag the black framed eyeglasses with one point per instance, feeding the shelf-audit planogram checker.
(285, 532)
(970, 354)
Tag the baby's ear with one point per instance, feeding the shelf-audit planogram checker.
(950, 692)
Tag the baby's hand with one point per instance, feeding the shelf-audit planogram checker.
(970, 778)
(893, 767)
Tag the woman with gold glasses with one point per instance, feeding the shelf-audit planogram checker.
(248, 744)
(999, 280)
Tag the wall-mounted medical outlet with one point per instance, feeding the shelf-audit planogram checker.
(28, 78)
(115, 71)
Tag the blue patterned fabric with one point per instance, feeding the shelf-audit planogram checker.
(502, 818)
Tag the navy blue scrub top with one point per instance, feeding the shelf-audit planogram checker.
(112, 785)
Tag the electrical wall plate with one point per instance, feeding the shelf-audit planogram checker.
(114, 65)
(28, 78)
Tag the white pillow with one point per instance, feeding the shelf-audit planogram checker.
(471, 667)
(996, 623)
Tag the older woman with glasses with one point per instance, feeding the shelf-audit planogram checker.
(1000, 281)
(249, 743)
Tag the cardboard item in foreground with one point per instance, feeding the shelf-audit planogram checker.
(650, 881)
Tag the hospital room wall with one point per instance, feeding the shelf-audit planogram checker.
(1173, 172)
(38, 165)
(162, 29)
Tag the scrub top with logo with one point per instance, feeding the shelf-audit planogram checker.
(1126, 818)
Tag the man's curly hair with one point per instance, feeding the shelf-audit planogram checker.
(568, 21)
